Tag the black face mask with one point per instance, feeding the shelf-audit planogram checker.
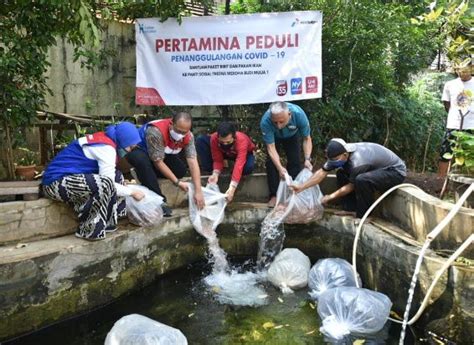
(226, 146)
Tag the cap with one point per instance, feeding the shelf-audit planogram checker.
(337, 146)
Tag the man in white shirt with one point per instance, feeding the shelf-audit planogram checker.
(458, 99)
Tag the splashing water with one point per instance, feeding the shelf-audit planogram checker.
(238, 288)
(272, 235)
(411, 291)
(230, 286)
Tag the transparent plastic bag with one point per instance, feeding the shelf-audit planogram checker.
(205, 221)
(345, 310)
(306, 206)
(135, 329)
(146, 212)
(289, 271)
(328, 274)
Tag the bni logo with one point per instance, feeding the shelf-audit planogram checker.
(282, 87)
(296, 86)
(311, 84)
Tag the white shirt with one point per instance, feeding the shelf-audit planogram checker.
(452, 89)
(105, 155)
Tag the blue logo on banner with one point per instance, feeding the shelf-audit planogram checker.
(142, 29)
(296, 86)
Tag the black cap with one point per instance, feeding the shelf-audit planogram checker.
(337, 146)
(334, 149)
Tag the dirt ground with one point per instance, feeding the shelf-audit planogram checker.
(429, 182)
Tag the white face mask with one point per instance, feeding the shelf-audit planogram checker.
(176, 136)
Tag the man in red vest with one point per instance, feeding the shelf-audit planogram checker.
(158, 156)
(226, 143)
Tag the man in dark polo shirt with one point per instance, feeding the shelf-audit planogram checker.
(361, 169)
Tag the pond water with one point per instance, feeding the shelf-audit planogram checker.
(182, 300)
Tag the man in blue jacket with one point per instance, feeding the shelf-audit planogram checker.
(284, 125)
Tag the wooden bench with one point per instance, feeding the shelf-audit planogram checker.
(28, 189)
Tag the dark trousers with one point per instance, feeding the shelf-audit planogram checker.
(366, 185)
(292, 148)
(148, 174)
(203, 148)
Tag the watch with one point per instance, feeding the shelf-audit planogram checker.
(177, 182)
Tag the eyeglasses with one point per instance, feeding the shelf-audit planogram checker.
(179, 131)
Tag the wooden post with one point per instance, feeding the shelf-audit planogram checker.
(9, 152)
(43, 145)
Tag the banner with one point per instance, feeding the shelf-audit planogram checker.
(224, 60)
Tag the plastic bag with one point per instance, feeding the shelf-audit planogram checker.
(146, 212)
(289, 271)
(346, 310)
(205, 221)
(306, 206)
(135, 329)
(328, 274)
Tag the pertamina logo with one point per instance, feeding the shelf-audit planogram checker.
(311, 84)
(282, 87)
(296, 86)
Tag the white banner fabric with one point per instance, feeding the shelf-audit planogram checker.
(234, 59)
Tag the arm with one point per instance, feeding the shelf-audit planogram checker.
(191, 159)
(105, 155)
(307, 149)
(196, 178)
(273, 153)
(344, 190)
(447, 105)
(217, 160)
(240, 160)
(315, 179)
(156, 152)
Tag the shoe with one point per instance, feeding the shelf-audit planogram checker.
(167, 211)
(272, 202)
(89, 238)
(111, 228)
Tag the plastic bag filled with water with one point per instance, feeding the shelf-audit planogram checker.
(135, 329)
(205, 221)
(328, 274)
(306, 206)
(345, 310)
(289, 271)
(146, 212)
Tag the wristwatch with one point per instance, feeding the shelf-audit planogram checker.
(176, 183)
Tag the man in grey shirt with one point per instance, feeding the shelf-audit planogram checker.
(362, 169)
(157, 155)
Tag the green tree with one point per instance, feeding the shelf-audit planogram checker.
(29, 28)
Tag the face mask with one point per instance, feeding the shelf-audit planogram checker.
(226, 146)
(336, 164)
(122, 153)
(176, 136)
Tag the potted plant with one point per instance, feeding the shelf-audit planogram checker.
(25, 167)
(463, 164)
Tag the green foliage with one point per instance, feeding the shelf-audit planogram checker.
(370, 51)
(27, 157)
(454, 20)
(463, 152)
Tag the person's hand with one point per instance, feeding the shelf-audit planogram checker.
(199, 200)
(282, 172)
(229, 194)
(213, 179)
(137, 195)
(308, 165)
(325, 200)
(296, 188)
(184, 186)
